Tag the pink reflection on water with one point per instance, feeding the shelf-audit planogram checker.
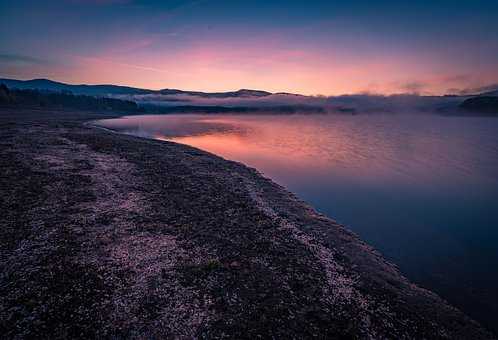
(390, 149)
(369, 149)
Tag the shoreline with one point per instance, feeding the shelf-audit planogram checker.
(113, 235)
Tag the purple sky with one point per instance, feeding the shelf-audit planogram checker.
(308, 47)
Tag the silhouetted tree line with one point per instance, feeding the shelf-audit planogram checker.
(63, 99)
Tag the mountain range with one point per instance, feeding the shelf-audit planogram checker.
(105, 90)
(247, 100)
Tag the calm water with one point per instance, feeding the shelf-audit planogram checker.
(423, 189)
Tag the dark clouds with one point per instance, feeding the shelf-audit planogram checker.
(477, 90)
(414, 87)
(21, 59)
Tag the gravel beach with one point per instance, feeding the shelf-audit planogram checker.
(105, 235)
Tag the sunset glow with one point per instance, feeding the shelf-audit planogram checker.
(217, 46)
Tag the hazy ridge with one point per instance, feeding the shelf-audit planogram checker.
(244, 100)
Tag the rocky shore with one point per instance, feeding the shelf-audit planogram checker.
(104, 235)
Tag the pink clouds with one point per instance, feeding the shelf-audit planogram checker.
(271, 63)
(220, 46)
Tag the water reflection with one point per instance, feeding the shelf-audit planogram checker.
(422, 189)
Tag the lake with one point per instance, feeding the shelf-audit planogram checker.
(421, 188)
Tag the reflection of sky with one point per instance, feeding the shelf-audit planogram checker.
(422, 189)
(320, 47)
(370, 148)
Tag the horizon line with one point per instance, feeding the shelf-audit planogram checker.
(363, 93)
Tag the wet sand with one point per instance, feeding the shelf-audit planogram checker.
(106, 235)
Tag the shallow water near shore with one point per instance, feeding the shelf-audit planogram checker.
(422, 189)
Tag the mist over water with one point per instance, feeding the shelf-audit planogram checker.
(360, 103)
(422, 189)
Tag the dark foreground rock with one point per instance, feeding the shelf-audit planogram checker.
(110, 236)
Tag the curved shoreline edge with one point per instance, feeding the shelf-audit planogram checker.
(107, 235)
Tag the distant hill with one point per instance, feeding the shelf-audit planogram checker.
(481, 104)
(490, 94)
(248, 100)
(91, 90)
(243, 93)
(62, 100)
(105, 90)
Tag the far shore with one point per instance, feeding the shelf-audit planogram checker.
(107, 235)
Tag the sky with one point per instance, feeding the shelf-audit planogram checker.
(307, 47)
